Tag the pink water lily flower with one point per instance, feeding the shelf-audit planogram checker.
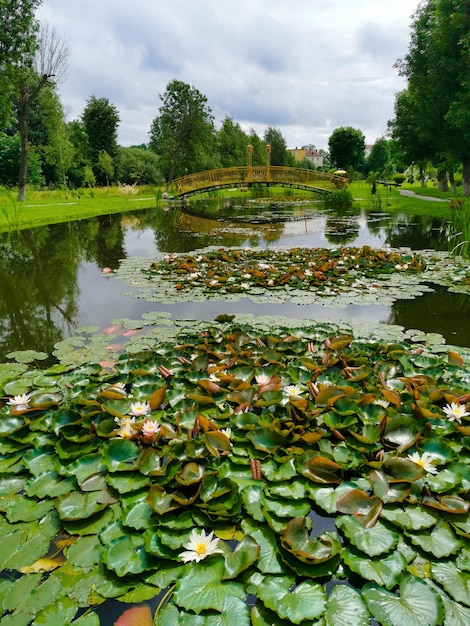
(149, 428)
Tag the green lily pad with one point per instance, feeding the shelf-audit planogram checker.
(417, 603)
(373, 541)
(346, 606)
(306, 601)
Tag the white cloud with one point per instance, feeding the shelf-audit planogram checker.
(306, 67)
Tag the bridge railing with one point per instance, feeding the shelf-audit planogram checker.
(244, 175)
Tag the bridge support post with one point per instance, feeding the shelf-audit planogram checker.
(268, 163)
(250, 162)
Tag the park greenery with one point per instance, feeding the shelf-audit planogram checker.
(428, 137)
(244, 471)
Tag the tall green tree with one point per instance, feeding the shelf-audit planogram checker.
(274, 138)
(378, 160)
(411, 133)
(232, 143)
(48, 136)
(347, 148)
(437, 69)
(101, 121)
(183, 133)
(18, 43)
(259, 148)
(49, 68)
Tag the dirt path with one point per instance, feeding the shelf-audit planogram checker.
(408, 192)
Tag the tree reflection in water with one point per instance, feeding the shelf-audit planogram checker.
(51, 281)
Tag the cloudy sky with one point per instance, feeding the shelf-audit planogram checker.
(304, 66)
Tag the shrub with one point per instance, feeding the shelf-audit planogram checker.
(399, 178)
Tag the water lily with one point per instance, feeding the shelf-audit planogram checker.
(150, 428)
(425, 460)
(20, 403)
(199, 546)
(126, 428)
(139, 408)
(244, 286)
(262, 379)
(226, 431)
(455, 412)
(381, 402)
(293, 391)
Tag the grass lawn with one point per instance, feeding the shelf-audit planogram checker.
(51, 207)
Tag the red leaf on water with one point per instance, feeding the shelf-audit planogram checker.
(111, 329)
(137, 616)
(131, 331)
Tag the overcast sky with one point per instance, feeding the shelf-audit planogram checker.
(303, 66)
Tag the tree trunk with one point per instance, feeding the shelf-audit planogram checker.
(466, 176)
(24, 148)
(422, 179)
(442, 180)
(453, 186)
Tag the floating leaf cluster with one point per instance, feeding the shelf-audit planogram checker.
(238, 270)
(333, 470)
(302, 275)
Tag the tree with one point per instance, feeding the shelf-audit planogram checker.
(232, 143)
(18, 42)
(274, 138)
(138, 165)
(48, 135)
(379, 158)
(437, 70)
(105, 163)
(183, 134)
(49, 68)
(347, 147)
(79, 139)
(259, 148)
(101, 120)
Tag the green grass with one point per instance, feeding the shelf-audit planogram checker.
(389, 199)
(53, 207)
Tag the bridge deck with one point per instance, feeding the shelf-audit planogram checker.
(246, 176)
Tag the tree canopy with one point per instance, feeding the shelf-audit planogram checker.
(18, 44)
(183, 133)
(347, 148)
(432, 116)
(101, 120)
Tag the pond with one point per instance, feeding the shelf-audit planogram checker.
(51, 279)
(332, 468)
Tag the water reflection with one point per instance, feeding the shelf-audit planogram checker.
(51, 280)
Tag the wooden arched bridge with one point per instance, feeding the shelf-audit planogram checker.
(263, 175)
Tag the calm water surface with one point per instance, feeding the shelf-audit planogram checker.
(51, 279)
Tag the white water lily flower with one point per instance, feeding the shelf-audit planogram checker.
(455, 412)
(245, 286)
(20, 401)
(292, 391)
(425, 460)
(227, 432)
(125, 426)
(139, 408)
(149, 428)
(199, 546)
(381, 402)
